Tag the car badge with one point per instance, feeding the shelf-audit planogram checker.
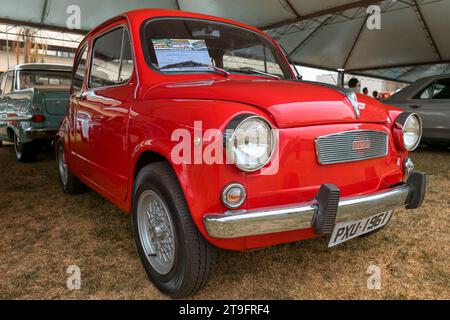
(354, 101)
(361, 145)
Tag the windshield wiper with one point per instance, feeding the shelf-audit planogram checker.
(249, 70)
(188, 64)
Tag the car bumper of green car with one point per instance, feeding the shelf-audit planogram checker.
(40, 134)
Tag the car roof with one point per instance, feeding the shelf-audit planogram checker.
(416, 86)
(139, 16)
(43, 66)
(438, 76)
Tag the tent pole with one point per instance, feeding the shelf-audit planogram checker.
(341, 76)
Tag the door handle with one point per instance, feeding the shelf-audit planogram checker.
(414, 106)
(83, 96)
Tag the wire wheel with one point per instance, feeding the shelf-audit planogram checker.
(156, 232)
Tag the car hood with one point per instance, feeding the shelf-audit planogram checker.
(289, 103)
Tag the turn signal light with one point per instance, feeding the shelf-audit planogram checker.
(233, 196)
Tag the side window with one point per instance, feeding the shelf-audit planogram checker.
(77, 81)
(442, 89)
(111, 62)
(9, 83)
(425, 94)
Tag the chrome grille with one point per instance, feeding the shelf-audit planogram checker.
(351, 146)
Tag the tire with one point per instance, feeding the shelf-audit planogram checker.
(438, 145)
(25, 152)
(69, 183)
(190, 258)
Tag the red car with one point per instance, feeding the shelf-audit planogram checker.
(200, 129)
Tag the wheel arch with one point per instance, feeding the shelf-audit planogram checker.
(10, 132)
(146, 157)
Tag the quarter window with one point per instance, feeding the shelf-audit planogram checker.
(78, 78)
(127, 59)
(2, 84)
(9, 83)
(112, 62)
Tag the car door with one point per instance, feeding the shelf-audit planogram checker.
(102, 113)
(78, 85)
(433, 104)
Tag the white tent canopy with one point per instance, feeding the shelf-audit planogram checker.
(329, 34)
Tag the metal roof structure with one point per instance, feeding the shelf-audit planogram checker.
(329, 34)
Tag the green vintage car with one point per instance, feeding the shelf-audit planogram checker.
(33, 101)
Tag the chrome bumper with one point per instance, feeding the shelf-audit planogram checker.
(38, 134)
(304, 216)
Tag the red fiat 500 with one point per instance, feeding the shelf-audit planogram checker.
(198, 127)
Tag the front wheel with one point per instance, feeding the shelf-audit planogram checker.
(176, 257)
(25, 152)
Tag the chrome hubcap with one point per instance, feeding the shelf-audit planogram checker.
(156, 232)
(62, 165)
(17, 146)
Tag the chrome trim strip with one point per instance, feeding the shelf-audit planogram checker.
(16, 118)
(289, 218)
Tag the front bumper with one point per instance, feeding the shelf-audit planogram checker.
(321, 214)
(40, 134)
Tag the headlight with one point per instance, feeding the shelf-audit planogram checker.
(408, 131)
(249, 142)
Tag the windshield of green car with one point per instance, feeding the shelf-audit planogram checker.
(193, 46)
(42, 79)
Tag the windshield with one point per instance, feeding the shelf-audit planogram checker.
(44, 79)
(190, 46)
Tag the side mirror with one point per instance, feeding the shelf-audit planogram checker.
(300, 77)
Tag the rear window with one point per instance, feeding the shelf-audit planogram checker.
(42, 79)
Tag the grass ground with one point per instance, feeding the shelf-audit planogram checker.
(43, 231)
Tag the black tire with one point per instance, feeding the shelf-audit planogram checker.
(25, 152)
(70, 185)
(438, 145)
(194, 257)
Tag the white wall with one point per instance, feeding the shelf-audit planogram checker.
(13, 62)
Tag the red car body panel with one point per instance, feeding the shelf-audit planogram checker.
(106, 134)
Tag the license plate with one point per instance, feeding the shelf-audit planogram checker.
(351, 229)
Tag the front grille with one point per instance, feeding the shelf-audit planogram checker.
(351, 146)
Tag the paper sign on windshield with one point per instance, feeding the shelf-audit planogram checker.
(181, 54)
